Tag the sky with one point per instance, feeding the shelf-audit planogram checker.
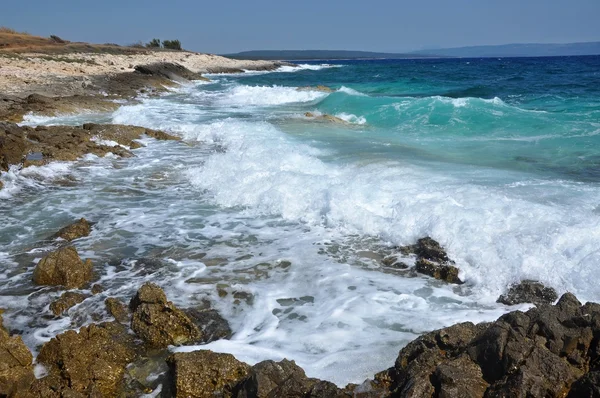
(228, 26)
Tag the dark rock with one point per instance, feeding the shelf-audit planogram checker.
(117, 309)
(429, 249)
(16, 369)
(204, 373)
(587, 386)
(432, 260)
(393, 262)
(63, 267)
(158, 322)
(213, 325)
(91, 361)
(97, 289)
(445, 272)
(170, 71)
(275, 379)
(528, 292)
(74, 231)
(66, 301)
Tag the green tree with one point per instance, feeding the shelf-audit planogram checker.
(172, 44)
(154, 43)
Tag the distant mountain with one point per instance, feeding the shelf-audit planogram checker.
(299, 55)
(506, 50)
(517, 50)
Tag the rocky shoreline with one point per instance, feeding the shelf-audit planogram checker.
(551, 350)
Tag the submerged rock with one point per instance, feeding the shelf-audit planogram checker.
(204, 373)
(63, 267)
(78, 229)
(16, 369)
(432, 260)
(158, 322)
(319, 87)
(325, 118)
(91, 361)
(528, 292)
(66, 301)
(445, 272)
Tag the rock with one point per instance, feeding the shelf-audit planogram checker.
(213, 325)
(204, 373)
(275, 379)
(92, 360)
(63, 267)
(428, 249)
(528, 292)
(432, 260)
(158, 322)
(66, 301)
(394, 262)
(325, 118)
(78, 229)
(170, 71)
(548, 351)
(16, 369)
(97, 288)
(445, 272)
(319, 87)
(117, 309)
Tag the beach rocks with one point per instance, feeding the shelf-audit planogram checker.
(432, 260)
(78, 229)
(545, 352)
(117, 309)
(211, 323)
(275, 379)
(91, 362)
(528, 292)
(66, 301)
(63, 267)
(172, 71)
(16, 369)
(158, 322)
(204, 373)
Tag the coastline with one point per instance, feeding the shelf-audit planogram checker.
(451, 356)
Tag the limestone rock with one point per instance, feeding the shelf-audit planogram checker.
(117, 309)
(528, 292)
(91, 361)
(204, 374)
(275, 379)
(63, 267)
(66, 301)
(16, 369)
(158, 322)
(78, 229)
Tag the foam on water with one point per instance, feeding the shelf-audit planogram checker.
(267, 96)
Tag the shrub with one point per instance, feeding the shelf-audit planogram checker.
(154, 43)
(57, 39)
(5, 29)
(138, 44)
(172, 44)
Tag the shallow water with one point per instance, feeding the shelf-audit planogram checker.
(280, 221)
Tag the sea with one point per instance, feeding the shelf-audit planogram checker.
(280, 220)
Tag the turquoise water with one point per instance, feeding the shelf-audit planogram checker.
(497, 159)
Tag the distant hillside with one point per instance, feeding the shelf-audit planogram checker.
(299, 55)
(518, 50)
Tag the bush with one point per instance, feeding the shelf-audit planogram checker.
(5, 29)
(138, 44)
(154, 43)
(172, 44)
(57, 39)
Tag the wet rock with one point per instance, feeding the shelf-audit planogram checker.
(63, 267)
(16, 369)
(528, 292)
(97, 289)
(321, 88)
(325, 118)
(204, 373)
(275, 379)
(445, 272)
(432, 260)
(66, 301)
(394, 262)
(117, 309)
(78, 229)
(428, 249)
(213, 325)
(91, 361)
(170, 71)
(158, 322)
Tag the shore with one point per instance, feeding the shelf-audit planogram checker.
(550, 350)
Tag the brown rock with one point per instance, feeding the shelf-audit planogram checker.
(528, 292)
(445, 272)
(117, 309)
(78, 229)
(16, 369)
(201, 374)
(97, 288)
(63, 267)
(275, 379)
(158, 322)
(92, 360)
(66, 301)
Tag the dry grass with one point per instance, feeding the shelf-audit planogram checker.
(6, 29)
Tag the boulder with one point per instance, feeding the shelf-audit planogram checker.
(204, 374)
(66, 301)
(158, 322)
(213, 325)
(528, 292)
(432, 260)
(91, 361)
(16, 369)
(172, 71)
(444, 271)
(275, 379)
(117, 309)
(78, 229)
(63, 267)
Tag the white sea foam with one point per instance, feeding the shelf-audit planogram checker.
(351, 91)
(267, 96)
(350, 118)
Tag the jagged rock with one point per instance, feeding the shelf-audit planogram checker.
(549, 351)
(66, 301)
(428, 249)
(91, 361)
(213, 325)
(432, 260)
(97, 288)
(158, 322)
(16, 369)
(275, 379)
(528, 292)
(63, 267)
(169, 70)
(204, 373)
(78, 229)
(117, 309)
(445, 272)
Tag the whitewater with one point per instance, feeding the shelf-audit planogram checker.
(281, 220)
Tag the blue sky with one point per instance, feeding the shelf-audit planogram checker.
(374, 25)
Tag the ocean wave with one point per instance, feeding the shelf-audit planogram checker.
(350, 118)
(351, 91)
(267, 96)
